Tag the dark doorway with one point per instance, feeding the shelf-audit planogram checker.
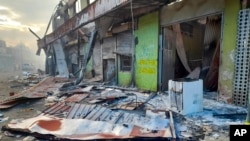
(189, 46)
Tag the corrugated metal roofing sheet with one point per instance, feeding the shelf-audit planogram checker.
(84, 121)
(82, 129)
(38, 91)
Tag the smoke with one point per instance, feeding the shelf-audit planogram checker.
(13, 58)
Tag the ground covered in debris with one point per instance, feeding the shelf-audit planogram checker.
(22, 111)
(113, 106)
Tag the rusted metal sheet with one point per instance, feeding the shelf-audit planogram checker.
(73, 129)
(11, 103)
(129, 106)
(100, 113)
(57, 108)
(51, 108)
(76, 129)
(124, 43)
(108, 47)
(76, 97)
(87, 15)
(60, 59)
(38, 91)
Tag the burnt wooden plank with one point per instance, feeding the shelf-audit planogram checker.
(73, 111)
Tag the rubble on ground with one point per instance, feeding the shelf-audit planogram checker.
(111, 112)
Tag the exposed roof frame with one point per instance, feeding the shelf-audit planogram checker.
(95, 11)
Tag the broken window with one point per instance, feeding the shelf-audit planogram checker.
(125, 63)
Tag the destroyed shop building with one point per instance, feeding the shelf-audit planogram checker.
(180, 48)
(147, 43)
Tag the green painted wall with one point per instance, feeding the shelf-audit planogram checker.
(232, 8)
(146, 52)
(124, 78)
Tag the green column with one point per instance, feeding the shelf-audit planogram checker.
(226, 73)
(146, 52)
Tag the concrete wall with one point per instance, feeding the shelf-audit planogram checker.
(232, 8)
(146, 52)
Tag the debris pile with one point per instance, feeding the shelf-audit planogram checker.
(97, 111)
(37, 91)
(25, 80)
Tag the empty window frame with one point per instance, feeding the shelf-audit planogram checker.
(125, 63)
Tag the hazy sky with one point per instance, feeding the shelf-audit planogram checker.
(17, 15)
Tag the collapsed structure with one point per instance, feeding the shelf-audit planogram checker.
(146, 44)
(143, 44)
